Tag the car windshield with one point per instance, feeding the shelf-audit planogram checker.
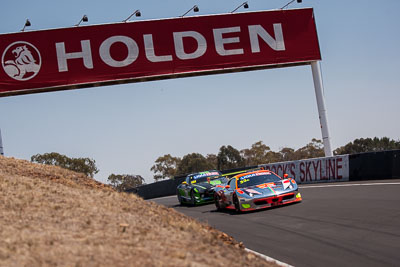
(218, 180)
(256, 179)
(204, 177)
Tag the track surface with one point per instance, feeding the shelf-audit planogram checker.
(340, 224)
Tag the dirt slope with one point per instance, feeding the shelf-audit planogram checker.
(54, 217)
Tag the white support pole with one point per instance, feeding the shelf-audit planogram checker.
(1, 145)
(323, 117)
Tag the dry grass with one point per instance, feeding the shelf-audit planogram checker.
(54, 217)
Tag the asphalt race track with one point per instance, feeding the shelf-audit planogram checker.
(337, 224)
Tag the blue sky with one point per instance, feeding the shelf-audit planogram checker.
(126, 127)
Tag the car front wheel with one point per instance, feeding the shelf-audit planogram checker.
(236, 203)
(179, 198)
(192, 198)
(217, 201)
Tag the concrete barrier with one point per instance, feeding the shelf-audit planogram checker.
(317, 170)
(158, 189)
(375, 165)
(355, 167)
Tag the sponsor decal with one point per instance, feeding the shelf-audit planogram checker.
(246, 178)
(266, 185)
(286, 184)
(241, 181)
(21, 61)
(314, 170)
(205, 174)
(272, 190)
(252, 191)
(115, 53)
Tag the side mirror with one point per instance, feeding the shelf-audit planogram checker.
(285, 175)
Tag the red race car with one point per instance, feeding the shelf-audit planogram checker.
(256, 190)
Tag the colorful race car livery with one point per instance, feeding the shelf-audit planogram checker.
(199, 187)
(256, 190)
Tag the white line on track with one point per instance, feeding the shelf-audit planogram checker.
(269, 259)
(344, 185)
(163, 197)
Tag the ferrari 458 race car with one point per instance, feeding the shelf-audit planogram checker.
(198, 188)
(256, 190)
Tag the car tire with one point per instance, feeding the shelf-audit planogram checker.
(236, 203)
(192, 198)
(217, 200)
(179, 198)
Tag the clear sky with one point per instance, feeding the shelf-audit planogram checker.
(125, 128)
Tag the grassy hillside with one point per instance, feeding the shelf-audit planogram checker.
(50, 216)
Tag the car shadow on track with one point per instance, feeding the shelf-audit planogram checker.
(187, 205)
(233, 212)
(213, 209)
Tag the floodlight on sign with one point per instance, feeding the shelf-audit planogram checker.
(244, 5)
(83, 19)
(136, 13)
(195, 8)
(27, 24)
(285, 6)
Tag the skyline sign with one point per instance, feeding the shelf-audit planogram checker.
(88, 56)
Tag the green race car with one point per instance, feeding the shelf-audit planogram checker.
(198, 188)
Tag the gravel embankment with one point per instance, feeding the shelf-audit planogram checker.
(50, 216)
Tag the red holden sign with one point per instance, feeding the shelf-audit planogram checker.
(69, 58)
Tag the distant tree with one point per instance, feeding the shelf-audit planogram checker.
(213, 160)
(314, 149)
(273, 156)
(368, 145)
(122, 182)
(165, 167)
(86, 166)
(257, 154)
(287, 154)
(193, 162)
(229, 158)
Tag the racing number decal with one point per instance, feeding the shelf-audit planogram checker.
(244, 180)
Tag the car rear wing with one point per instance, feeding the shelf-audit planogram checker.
(231, 174)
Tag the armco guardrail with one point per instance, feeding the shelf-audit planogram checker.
(355, 167)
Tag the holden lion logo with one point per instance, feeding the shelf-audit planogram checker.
(21, 61)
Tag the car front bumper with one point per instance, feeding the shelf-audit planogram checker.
(247, 204)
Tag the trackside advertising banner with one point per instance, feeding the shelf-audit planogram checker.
(84, 56)
(329, 169)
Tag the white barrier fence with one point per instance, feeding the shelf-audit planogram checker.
(328, 169)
